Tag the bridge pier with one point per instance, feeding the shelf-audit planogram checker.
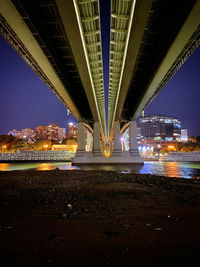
(82, 156)
(126, 157)
(117, 149)
(117, 156)
(81, 140)
(96, 141)
(133, 147)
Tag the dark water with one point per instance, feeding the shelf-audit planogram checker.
(170, 169)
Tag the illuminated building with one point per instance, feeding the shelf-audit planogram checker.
(25, 134)
(184, 136)
(192, 139)
(28, 134)
(68, 147)
(159, 127)
(61, 133)
(52, 132)
(158, 145)
(49, 132)
(15, 133)
(72, 131)
(156, 135)
(41, 133)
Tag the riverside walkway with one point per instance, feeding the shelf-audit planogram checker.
(37, 156)
(183, 156)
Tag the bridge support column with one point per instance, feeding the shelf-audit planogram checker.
(133, 147)
(96, 141)
(81, 154)
(81, 139)
(117, 150)
(125, 157)
(118, 156)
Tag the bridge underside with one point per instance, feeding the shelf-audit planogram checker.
(163, 35)
(63, 50)
(61, 41)
(165, 20)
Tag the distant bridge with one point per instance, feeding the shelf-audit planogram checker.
(61, 41)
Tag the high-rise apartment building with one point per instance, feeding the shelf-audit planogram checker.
(40, 132)
(52, 132)
(159, 127)
(49, 132)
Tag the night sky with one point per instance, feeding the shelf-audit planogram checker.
(27, 102)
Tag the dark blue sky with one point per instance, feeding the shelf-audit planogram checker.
(181, 96)
(27, 102)
(105, 10)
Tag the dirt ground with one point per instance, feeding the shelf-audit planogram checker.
(98, 218)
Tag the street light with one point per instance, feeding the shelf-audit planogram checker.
(4, 147)
(46, 146)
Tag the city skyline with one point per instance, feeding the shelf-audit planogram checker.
(27, 102)
(49, 125)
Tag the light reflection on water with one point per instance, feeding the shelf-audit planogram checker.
(45, 167)
(40, 166)
(170, 169)
(4, 166)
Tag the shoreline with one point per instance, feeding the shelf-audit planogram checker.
(97, 218)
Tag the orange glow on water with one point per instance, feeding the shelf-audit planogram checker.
(172, 169)
(44, 167)
(4, 166)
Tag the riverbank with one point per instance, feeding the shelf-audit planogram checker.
(97, 218)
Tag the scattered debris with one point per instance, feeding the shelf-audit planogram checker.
(74, 213)
(158, 229)
(69, 206)
(126, 226)
(64, 215)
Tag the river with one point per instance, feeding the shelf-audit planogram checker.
(169, 169)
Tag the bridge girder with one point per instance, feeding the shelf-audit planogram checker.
(184, 44)
(163, 35)
(86, 13)
(67, 58)
(121, 21)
